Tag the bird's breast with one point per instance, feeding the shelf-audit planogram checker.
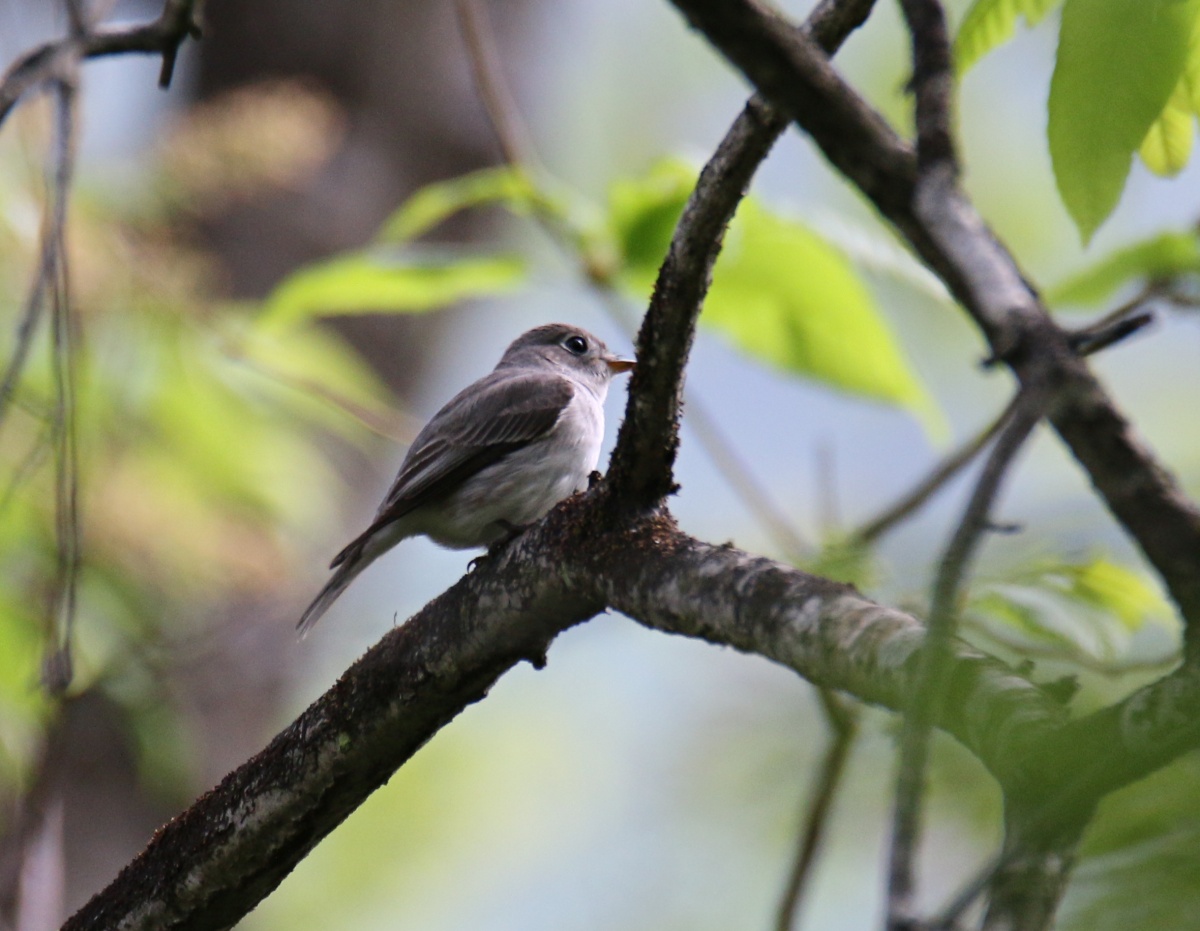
(527, 483)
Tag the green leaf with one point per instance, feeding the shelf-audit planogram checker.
(1191, 71)
(1159, 257)
(1086, 609)
(379, 281)
(437, 202)
(1024, 611)
(785, 296)
(1140, 857)
(990, 23)
(643, 213)
(844, 561)
(1117, 65)
(317, 377)
(1115, 590)
(780, 292)
(1168, 145)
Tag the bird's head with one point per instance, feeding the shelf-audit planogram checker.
(568, 348)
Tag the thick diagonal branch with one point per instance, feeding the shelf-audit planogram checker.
(213, 863)
(946, 231)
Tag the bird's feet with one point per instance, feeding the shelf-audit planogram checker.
(511, 532)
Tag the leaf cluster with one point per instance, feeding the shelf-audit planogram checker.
(1126, 81)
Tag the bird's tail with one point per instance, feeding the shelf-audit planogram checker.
(350, 565)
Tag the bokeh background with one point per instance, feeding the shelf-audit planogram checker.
(638, 781)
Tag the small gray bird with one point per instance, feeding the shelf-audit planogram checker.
(500, 455)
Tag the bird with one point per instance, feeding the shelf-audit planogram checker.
(498, 456)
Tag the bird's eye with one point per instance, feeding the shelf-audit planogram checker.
(575, 345)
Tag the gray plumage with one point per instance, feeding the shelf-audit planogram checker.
(498, 456)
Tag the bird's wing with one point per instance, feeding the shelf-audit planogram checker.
(494, 417)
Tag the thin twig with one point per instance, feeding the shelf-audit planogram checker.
(56, 65)
(929, 679)
(56, 668)
(970, 891)
(77, 17)
(52, 63)
(1120, 323)
(934, 482)
(391, 423)
(1102, 334)
(842, 720)
(31, 315)
(47, 62)
(829, 513)
(738, 475)
(25, 469)
(1095, 338)
(503, 115)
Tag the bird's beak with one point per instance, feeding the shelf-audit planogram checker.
(616, 366)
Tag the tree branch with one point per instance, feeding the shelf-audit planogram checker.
(842, 720)
(1097, 336)
(215, 861)
(212, 864)
(642, 465)
(934, 482)
(45, 63)
(60, 618)
(935, 657)
(943, 227)
(932, 84)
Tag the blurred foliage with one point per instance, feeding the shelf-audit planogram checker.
(1140, 858)
(274, 134)
(846, 560)
(1168, 144)
(989, 23)
(1158, 259)
(1117, 66)
(780, 292)
(199, 430)
(435, 203)
(388, 280)
(1126, 80)
(1167, 147)
(1084, 613)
